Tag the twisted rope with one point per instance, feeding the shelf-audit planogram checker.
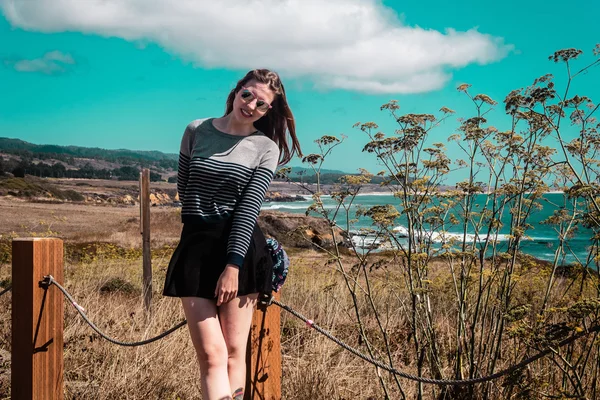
(49, 280)
(441, 382)
(6, 290)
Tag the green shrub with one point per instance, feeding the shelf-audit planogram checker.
(73, 195)
(35, 187)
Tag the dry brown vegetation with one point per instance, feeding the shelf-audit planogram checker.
(106, 281)
(81, 223)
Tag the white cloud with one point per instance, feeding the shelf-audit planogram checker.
(351, 44)
(57, 56)
(51, 63)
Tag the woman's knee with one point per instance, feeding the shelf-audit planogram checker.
(236, 352)
(212, 355)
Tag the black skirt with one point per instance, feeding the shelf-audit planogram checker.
(201, 257)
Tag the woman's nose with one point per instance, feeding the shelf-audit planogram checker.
(252, 104)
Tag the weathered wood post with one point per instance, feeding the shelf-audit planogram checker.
(37, 320)
(145, 229)
(263, 358)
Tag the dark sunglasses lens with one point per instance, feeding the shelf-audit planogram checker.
(262, 106)
(246, 94)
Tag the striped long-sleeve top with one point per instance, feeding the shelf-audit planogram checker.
(223, 176)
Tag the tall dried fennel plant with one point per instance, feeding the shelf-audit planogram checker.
(474, 303)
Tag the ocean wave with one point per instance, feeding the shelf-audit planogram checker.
(376, 194)
(443, 236)
(456, 237)
(285, 206)
(366, 242)
(297, 205)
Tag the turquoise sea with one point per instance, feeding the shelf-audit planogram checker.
(541, 243)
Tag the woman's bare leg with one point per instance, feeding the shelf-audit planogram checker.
(211, 349)
(235, 318)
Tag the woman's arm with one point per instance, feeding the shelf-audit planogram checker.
(244, 218)
(247, 209)
(185, 155)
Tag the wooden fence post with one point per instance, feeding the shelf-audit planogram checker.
(37, 320)
(263, 358)
(145, 223)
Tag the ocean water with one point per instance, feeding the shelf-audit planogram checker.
(542, 239)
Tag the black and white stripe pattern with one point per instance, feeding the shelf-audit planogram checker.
(221, 176)
(182, 174)
(246, 214)
(214, 187)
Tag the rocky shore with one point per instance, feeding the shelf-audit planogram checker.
(300, 231)
(110, 192)
(282, 197)
(163, 198)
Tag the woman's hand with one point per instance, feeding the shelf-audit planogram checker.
(227, 285)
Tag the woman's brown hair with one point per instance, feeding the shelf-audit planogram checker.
(278, 119)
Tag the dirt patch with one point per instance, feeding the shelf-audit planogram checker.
(86, 222)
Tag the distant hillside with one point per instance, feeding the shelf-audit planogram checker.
(327, 176)
(297, 171)
(21, 158)
(19, 147)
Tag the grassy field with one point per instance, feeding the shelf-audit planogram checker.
(81, 223)
(103, 272)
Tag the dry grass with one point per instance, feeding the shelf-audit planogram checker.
(108, 286)
(106, 184)
(313, 366)
(83, 223)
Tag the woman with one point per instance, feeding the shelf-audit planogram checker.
(221, 263)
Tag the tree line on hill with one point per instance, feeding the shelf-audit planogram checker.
(126, 173)
(57, 170)
(68, 154)
(130, 162)
(64, 161)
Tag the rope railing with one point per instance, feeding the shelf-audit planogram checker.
(49, 280)
(5, 290)
(441, 382)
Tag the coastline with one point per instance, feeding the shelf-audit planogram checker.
(369, 189)
(288, 188)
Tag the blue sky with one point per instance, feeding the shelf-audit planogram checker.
(127, 74)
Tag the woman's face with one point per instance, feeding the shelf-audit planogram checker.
(251, 102)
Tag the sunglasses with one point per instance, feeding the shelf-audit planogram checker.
(247, 96)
